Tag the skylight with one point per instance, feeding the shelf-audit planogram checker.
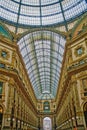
(42, 52)
(41, 12)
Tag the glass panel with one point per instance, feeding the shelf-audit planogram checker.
(75, 10)
(52, 9)
(29, 20)
(30, 11)
(30, 2)
(47, 2)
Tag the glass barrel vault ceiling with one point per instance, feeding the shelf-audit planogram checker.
(42, 52)
(41, 12)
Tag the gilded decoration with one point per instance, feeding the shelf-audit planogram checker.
(69, 56)
(84, 83)
(80, 26)
(4, 54)
(84, 26)
(79, 51)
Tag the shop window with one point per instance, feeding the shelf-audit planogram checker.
(1, 87)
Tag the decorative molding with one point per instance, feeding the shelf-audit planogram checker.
(7, 54)
(79, 52)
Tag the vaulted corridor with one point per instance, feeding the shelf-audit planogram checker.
(43, 64)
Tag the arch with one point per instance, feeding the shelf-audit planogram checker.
(4, 31)
(79, 26)
(30, 31)
(47, 123)
(41, 50)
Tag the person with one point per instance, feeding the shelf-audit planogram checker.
(75, 128)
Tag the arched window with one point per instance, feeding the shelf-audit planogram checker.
(46, 106)
(47, 124)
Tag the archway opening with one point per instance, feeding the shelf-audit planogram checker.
(47, 123)
(85, 112)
